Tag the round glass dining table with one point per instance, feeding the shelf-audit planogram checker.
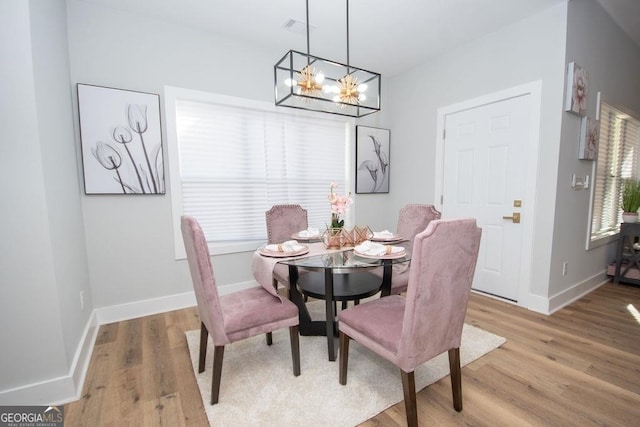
(338, 276)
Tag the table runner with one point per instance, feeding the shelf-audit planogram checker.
(262, 266)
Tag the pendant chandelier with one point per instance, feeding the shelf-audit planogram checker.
(308, 82)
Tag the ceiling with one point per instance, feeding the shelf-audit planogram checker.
(386, 36)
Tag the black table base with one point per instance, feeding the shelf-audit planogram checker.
(346, 287)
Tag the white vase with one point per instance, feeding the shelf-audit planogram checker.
(629, 217)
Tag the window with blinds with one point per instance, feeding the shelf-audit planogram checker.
(617, 160)
(235, 162)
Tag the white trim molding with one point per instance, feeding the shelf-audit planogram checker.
(534, 90)
(60, 390)
(68, 388)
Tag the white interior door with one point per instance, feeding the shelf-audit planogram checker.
(484, 174)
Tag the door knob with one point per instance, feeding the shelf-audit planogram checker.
(515, 218)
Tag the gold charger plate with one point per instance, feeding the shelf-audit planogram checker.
(391, 256)
(277, 254)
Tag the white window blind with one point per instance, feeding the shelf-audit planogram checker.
(617, 160)
(236, 162)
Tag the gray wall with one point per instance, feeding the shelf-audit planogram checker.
(55, 239)
(129, 239)
(43, 256)
(612, 63)
(530, 50)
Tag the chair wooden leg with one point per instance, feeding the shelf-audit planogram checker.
(344, 305)
(409, 388)
(204, 336)
(356, 302)
(344, 358)
(294, 336)
(274, 283)
(218, 355)
(269, 338)
(456, 378)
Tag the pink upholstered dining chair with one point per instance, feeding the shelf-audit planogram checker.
(282, 222)
(236, 316)
(410, 331)
(412, 219)
(285, 220)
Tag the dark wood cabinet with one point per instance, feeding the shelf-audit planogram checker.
(627, 266)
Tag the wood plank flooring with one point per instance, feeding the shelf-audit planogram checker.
(578, 367)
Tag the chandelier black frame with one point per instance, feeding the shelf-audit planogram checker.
(308, 82)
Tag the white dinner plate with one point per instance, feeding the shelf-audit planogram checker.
(390, 256)
(278, 254)
(394, 238)
(296, 236)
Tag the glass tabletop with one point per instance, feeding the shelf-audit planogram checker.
(347, 260)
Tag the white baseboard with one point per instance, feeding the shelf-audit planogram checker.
(68, 388)
(577, 291)
(550, 305)
(133, 310)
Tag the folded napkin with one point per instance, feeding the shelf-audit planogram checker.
(384, 234)
(288, 246)
(309, 232)
(377, 249)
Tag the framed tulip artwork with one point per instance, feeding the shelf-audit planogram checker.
(372, 160)
(121, 141)
(577, 90)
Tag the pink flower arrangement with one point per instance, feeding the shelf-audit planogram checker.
(339, 206)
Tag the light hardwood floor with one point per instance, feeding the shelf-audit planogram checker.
(577, 367)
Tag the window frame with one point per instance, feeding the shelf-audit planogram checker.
(172, 95)
(604, 238)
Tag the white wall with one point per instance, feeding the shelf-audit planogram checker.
(43, 266)
(530, 50)
(612, 63)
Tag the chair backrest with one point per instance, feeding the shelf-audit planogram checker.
(413, 219)
(285, 220)
(443, 263)
(204, 282)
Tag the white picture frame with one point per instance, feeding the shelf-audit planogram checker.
(577, 90)
(589, 138)
(121, 141)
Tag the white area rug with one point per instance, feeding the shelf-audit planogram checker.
(258, 387)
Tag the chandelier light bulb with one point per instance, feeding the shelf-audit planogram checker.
(319, 78)
(362, 97)
(307, 81)
(362, 87)
(336, 98)
(290, 82)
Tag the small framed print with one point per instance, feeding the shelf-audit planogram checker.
(372, 160)
(577, 90)
(589, 136)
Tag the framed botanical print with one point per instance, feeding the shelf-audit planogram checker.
(589, 137)
(121, 141)
(372, 159)
(577, 90)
